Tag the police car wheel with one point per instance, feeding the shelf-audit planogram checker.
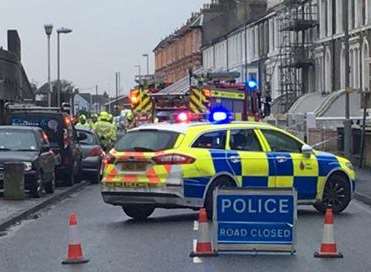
(336, 194)
(138, 212)
(218, 183)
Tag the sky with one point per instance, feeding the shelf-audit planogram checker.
(108, 36)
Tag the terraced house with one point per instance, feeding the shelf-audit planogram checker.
(296, 49)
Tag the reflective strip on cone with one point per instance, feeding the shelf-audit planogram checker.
(74, 238)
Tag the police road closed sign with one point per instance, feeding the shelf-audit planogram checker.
(255, 220)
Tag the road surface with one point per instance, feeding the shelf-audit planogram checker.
(113, 242)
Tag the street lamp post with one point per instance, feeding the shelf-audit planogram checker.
(61, 30)
(139, 73)
(147, 57)
(48, 32)
(347, 122)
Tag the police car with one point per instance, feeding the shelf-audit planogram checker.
(180, 165)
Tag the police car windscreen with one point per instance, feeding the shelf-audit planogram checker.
(147, 141)
(49, 125)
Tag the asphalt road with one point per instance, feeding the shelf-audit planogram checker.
(113, 242)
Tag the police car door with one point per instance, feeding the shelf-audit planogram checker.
(289, 166)
(248, 160)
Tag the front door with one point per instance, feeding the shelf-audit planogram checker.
(289, 166)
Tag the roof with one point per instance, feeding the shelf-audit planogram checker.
(19, 128)
(180, 87)
(100, 99)
(119, 99)
(183, 127)
(194, 22)
(33, 112)
(85, 96)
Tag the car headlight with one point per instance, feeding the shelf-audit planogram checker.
(27, 166)
(349, 165)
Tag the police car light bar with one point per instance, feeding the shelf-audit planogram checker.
(220, 115)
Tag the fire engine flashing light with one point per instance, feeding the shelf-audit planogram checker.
(134, 97)
(182, 117)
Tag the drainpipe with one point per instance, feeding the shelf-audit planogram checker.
(333, 57)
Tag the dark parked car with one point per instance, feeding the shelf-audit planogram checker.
(92, 156)
(62, 137)
(30, 146)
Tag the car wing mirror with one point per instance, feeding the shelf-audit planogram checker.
(307, 150)
(45, 148)
(81, 136)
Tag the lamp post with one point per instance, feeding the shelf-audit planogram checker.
(48, 31)
(61, 30)
(147, 57)
(139, 73)
(347, 122)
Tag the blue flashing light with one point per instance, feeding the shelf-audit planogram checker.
(220, 115)
(252, 84)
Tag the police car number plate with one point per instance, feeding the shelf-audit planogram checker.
(133, 166)
(134, 185)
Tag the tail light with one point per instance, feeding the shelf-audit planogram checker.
(45, 137)
(173, 159)
(95, 152)
(108, 159)
(67, 121)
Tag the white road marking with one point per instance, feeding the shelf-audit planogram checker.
(196, 260)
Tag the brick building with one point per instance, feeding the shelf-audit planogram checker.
(179, 52)
(14, 83)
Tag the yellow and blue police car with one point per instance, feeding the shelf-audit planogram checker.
(180, 165)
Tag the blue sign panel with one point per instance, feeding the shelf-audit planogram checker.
(256, 217)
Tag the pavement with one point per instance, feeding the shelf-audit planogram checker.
(363, 185)
(13, 211)
(114, 242)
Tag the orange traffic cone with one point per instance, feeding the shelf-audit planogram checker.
(203, 247)
(328, 246)
(74, 251)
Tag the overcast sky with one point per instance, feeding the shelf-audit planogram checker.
(108, 36)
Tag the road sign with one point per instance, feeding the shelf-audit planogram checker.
(255, 220)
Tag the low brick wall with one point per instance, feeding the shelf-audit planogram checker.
(328, 138)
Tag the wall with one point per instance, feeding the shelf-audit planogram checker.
(176, 56)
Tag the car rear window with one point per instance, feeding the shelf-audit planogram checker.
(147, 141)
(14, 140)
(51, 126)
(90, 140)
